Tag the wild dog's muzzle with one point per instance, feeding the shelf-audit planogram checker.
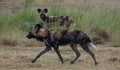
(30, 35)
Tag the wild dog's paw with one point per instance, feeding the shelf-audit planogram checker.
(72, 62)
(33, 61)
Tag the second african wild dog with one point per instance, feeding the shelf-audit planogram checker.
(63, 20)
(55, 38)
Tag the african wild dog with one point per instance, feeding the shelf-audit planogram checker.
(63, 20)
(55, 38)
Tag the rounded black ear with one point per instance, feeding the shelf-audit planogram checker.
(38, 26)
(45, 10)
(39, 10)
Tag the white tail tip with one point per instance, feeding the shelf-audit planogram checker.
(92, 45)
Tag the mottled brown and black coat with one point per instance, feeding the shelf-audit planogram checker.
(55, 38)
(63, 20)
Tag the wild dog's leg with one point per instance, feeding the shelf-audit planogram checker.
(85, 47)
(74, 47)
(48, 47)
(41, 53)
(58, 53)
(67, 25)
(62, 22)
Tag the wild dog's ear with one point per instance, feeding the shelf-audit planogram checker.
(39, 10)
(37, 27)
(45, 10)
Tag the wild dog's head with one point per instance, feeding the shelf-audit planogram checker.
(43, 13)
(38, 32)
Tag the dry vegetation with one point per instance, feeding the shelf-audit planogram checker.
(100, 35)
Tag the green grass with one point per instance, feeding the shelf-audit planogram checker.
(14, 27)
(18, 24)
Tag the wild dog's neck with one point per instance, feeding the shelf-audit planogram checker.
(43, 33)
(48, 34)
(49, 18)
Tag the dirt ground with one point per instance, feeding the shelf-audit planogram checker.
(19, 58)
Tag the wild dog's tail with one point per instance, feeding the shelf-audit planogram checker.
(92, 45)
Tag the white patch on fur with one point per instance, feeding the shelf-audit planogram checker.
(92, 45)
(74, 24)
